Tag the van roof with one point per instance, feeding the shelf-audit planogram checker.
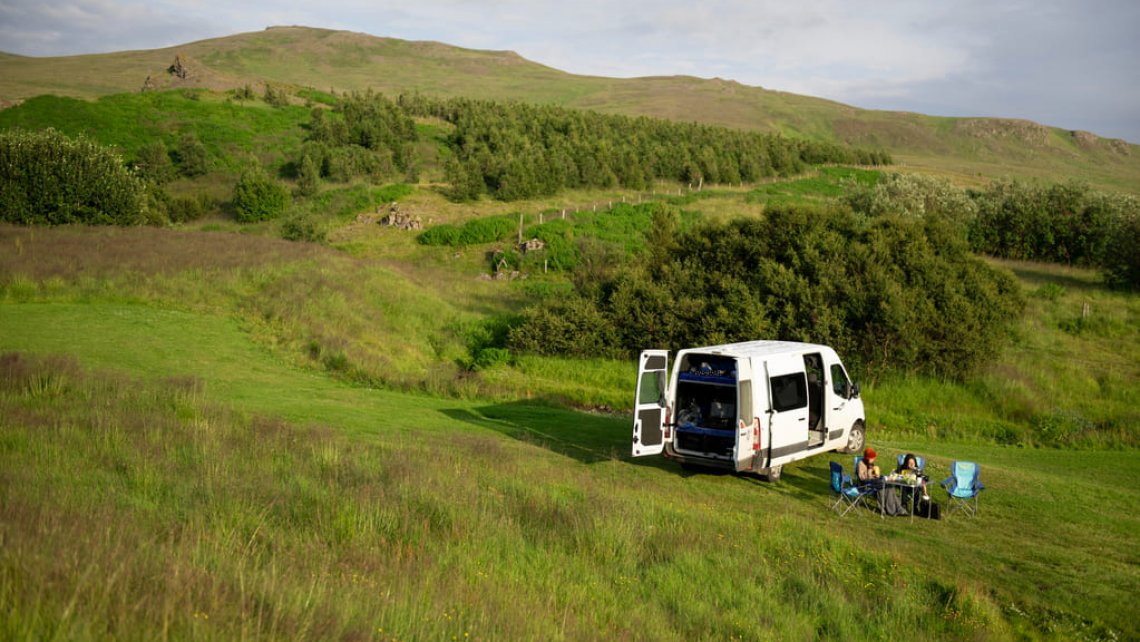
(759, 348)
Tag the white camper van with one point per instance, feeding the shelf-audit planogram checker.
(751, 406)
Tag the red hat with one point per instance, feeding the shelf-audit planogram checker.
(870, 453)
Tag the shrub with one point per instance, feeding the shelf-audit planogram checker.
(473, 232)
(48, 178)
(913, 195)
(1062, 223)
(1122, 256)
(308, 177)
(275, 96)
(303, 228)
(571, 326)
(181, 209)
(894, 293)
(258, 197)
(191, 156)
(153, 163)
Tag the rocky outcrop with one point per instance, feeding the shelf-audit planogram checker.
(401, 220)
(180, 68)
(1024, 131)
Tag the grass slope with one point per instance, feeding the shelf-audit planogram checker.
(343, 61)
(179, 505)
(192, 462)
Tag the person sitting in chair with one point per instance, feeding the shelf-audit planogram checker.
(910, 467)
(868, 473)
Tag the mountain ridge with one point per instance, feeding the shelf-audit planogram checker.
(970, 149)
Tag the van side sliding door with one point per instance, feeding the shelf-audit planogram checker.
(787, 390)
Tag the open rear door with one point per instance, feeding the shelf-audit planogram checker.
(649, 405)
(747, 423)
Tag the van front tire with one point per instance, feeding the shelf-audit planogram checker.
(856, 439)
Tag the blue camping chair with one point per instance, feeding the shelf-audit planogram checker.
(848, 495)
(963, 487)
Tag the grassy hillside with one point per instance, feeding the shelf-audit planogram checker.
(231, 481)
(215, 490)
(968, 149)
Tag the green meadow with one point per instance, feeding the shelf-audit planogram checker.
(209, 435)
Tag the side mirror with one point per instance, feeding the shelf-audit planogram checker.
(854, 391)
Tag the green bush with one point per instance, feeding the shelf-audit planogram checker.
(258, 197)
(191, 156)
(1062, 223)
(303, 228)
(152, 163)
(308, 177)
(474, 232)
(49, 178)
(891, 293)
(1122, 254)
(182, 208)
(275, 96)
(570, 326)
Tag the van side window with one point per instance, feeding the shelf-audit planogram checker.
(789, 392)
(744, 389)
(839, 381)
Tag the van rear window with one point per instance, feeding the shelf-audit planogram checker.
(789, 392)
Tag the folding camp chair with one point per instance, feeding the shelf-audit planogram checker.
(848, 495)
(963, 487)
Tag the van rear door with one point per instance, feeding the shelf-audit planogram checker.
(649, 405)
(747, 425)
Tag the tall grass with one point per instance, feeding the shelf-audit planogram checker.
(138, 509)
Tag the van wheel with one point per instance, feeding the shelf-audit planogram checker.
(856, 439)
(773, 474)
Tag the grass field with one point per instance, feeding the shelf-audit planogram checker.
(215, 494)
(192, 447)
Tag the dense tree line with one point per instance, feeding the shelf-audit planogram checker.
(893, 292)
(515, 151)
(1066, 223)
(1061, 223)
(363, 135)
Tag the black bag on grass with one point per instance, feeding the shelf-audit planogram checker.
(929, 509)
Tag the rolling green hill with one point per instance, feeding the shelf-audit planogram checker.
(969, 149)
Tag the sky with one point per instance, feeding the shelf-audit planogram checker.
(1073, 64)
